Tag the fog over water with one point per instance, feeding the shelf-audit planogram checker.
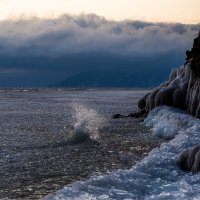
(39, 52)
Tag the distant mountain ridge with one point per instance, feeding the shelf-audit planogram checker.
(139, 72)
(113, 79)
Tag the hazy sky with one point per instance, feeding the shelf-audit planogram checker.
(185, 11)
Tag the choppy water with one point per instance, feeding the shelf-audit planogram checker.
(155, 177)
(50, 138)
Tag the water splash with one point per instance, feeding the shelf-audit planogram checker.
(87, 123)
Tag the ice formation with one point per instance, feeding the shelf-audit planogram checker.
(182, 90)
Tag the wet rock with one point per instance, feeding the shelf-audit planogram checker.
(190, 159)
(188, 55)
(140, 114)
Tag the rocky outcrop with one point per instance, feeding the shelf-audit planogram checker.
(190, 159)
(182, 90)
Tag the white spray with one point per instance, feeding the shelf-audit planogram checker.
(87, 123)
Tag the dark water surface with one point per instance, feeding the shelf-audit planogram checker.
(37, 156)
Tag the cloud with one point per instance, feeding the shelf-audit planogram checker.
(71, 44)
(69, 35)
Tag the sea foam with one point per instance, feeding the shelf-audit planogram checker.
(155, 177)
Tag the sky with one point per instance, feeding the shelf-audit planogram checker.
(184, 11)
(123, 43)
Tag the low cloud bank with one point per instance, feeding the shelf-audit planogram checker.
(53, 49)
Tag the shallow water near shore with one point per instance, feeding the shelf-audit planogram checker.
(52, 138)
(155, 177)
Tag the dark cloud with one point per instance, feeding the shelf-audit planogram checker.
(48, 50)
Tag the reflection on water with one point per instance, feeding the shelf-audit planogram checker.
(37, 156)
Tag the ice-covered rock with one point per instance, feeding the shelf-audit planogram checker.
(190, 159)
(182, 90)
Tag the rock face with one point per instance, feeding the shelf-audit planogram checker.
(182, 90)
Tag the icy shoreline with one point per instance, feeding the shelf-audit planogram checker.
(157, 176)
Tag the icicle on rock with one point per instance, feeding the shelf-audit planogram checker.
(182, 89)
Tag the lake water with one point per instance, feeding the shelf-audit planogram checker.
(156, 176)
(53, 138)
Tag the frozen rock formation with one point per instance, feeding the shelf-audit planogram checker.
(182, 90)
(190, 159)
